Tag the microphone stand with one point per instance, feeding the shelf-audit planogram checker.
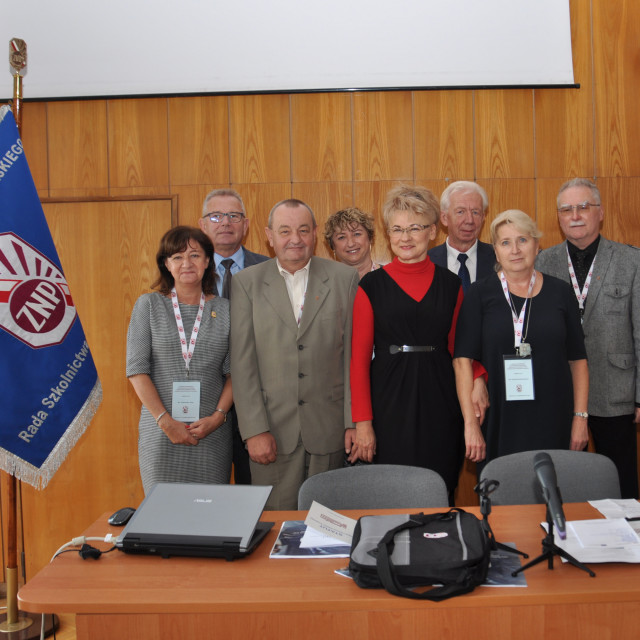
(550, 549)
(483, 489)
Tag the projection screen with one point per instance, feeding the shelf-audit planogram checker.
(170, 47)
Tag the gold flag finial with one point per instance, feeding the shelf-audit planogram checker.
(18, 54)
(18, 61)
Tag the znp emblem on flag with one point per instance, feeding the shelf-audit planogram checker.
(35, 304)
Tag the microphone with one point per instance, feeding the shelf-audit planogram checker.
(546, 472)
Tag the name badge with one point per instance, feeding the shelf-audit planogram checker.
(518, 378)
(185, 401)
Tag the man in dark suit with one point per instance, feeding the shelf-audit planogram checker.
(224, 220)
(290, 354)
(606, 279)
(463, 206)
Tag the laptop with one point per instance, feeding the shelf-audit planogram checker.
(203, 520)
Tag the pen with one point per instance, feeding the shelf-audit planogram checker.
(632, 519)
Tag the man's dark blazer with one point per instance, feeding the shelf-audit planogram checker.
(485, 262)
(251, 258)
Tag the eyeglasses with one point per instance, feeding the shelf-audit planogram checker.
(566, 209)
(413, 230)
(217, 216)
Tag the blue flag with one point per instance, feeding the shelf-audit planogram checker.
(48, 382)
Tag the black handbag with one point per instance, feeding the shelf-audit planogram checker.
(401, 552)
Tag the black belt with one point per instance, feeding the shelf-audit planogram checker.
(407, 348)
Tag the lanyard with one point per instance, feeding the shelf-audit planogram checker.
(580, 295)
(187, 351)
(518, 321)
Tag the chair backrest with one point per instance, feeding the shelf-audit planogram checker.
(375, 486)
(581, 476)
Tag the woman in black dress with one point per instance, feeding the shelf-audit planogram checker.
(404, 401)
(525, 329)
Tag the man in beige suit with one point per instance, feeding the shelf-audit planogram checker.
(290, 352)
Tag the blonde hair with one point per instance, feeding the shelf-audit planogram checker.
(519, 219)
(417, 199)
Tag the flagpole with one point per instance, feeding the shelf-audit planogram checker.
(14, 623)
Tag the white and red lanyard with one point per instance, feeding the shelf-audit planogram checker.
(580, 295)
(187, 348)
(518, 321)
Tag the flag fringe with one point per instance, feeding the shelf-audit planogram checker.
(39, 477)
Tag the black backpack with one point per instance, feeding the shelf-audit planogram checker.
(401, 552)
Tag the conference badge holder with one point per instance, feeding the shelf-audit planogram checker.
(185, 401)
(518, 374)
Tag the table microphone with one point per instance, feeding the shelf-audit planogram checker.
(546, 472)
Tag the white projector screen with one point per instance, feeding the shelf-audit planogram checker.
(84, 48)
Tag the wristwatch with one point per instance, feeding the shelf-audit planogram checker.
(581, 414)
(223, 412)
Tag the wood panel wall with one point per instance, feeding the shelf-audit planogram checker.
(338, 149)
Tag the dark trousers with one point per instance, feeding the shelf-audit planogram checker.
(616, 438)
(241, 469)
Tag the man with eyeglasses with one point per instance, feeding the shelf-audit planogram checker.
(606, 279)
(225, 221)
(290, 354)
(463, 206)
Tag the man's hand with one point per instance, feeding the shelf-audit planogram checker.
(262, 448)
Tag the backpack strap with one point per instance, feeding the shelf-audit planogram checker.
(387, 574)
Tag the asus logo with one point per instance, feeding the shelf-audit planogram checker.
(204, 500)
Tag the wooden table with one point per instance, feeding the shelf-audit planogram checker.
(124, 596)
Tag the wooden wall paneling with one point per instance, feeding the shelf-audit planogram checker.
(34, 138)
(259, 133)
(107, 249)
(443, 126)
(77, 146)
(503, 121)
(564, 117)
(138, 146)
(621, 203)
(617, 87)
(321, 137)
(383, 136)
(325, 199)
(508, 194)
(198, 140)
(547, 218)
(258, 201)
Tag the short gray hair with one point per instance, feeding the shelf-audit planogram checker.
(292, 203)
(462, 186)
(221, 193)
(580, 182)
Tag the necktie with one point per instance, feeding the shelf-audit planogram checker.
(463, 272)
(226, 281)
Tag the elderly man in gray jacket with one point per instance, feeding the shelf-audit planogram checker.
(606, 279)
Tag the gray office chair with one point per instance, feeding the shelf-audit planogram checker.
(375, 486)
(581, 476)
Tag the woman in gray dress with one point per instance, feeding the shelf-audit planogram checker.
(178, 365)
